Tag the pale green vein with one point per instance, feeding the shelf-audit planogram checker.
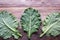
(14, 30)
(48, 28)
(29, 33)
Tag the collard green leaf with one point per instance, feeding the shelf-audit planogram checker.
(30, 21)
(51, 25)
(8, 25)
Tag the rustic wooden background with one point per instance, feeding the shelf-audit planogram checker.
(44, 7)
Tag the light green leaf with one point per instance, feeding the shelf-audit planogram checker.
(30, 21)
(51, 25)
(8, 25)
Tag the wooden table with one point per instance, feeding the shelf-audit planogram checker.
(17, 7)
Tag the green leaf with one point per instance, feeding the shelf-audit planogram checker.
(51, 25)
(8, 25)
(30, 21)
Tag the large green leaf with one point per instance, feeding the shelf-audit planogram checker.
(30, 21)
(51, 25)
(8, 25)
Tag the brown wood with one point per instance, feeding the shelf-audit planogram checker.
(29, 2)
(45, 7)
(18, 11)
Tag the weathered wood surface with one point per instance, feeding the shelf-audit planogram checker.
(29, 2)
(44, 7)
(18, 11)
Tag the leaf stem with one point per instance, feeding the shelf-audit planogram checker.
(19, 34)
(29, 35)
(48, 29)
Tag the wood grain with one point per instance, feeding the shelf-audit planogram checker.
(17, 7)
(20, 3)
(44, 11)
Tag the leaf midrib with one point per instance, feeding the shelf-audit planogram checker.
(48, 28)
(14, 30)
(29, 32)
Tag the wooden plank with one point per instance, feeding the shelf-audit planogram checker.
(44, 11)
(17, 7)
(30, 3)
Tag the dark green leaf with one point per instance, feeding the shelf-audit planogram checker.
(8, 25)
(30, 21)
(51, 25)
